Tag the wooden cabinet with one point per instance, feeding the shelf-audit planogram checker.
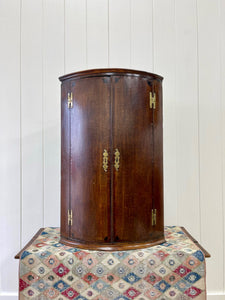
(111, 159)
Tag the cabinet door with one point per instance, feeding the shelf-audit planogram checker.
(90, 167)
(133, 180)
(65, 159)
(158, 159)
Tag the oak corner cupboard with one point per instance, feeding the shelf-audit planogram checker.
(111, 159)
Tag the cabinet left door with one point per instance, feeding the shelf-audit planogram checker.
(86, 160)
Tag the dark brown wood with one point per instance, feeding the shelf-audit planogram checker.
(90, 184)
(17, 256)
(131, 246)
(157, 182)
(206, 253)
(133, 136)
(112, 210)
(110, 72)
(115, 246)
(65, 159)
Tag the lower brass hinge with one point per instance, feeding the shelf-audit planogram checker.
(70, 217)
(154, 215)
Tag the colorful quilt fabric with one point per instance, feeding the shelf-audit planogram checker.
(172, 270)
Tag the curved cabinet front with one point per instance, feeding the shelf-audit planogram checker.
(111, 160)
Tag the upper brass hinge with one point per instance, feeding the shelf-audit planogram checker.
(70, 217)
(152, 100)
(70, 100)
(154, 215)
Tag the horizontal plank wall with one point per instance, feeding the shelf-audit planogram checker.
(10, 143)
(75, 35)
(182, 40)
(186, 50)
(97, 34)
(222, 76)
(165, 64)
(53, 67)
(141, 35)
(31, 117)
(119, 34)
(210, 140)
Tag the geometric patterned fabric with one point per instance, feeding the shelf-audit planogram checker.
(172, 270)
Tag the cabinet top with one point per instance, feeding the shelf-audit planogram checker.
(109, 72)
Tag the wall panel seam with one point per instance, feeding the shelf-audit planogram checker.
(198, 113)
(175, 102)
(43, 112)
(86, 46)
(108, 33)
(153, 37)
(21, 174)
(131, 32)
(64, 37)
(222, 134)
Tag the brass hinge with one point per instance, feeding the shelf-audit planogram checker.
(152, 98)
(70, 100)
(70, 217)
(154, 211)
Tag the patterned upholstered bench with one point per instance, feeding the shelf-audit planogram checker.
(172, 270)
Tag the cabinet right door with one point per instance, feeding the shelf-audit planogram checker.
(133, 136)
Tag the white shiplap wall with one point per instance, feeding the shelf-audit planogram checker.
(183, 40)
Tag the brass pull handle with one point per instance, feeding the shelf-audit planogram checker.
(117, 159)
(105, 160)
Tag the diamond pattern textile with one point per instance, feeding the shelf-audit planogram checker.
(172, 270)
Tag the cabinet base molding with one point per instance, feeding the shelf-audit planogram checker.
(122, 246)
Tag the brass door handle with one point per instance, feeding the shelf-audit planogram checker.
(117, 159)
(105, 160)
